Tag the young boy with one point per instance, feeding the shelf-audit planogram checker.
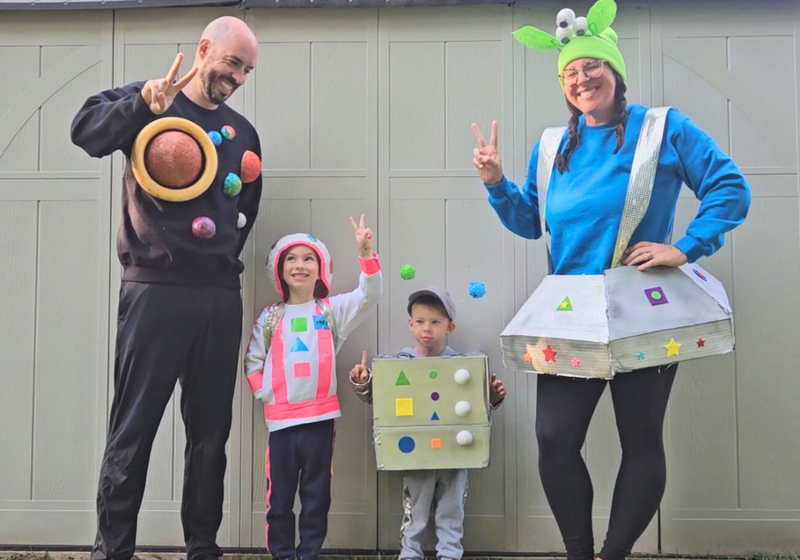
(291, 367)
(431, 319)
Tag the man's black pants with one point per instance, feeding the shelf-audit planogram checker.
(168, 333)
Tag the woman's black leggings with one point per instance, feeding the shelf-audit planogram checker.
(564, 408)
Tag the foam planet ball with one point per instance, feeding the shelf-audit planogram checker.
(241, 221)
(216, 137)
(464, 438)
(233, 185)
(408, 272)
(204, 228)
(477, 289)
(173, 159)
(228, 133)
(463, 408)
(251, 167)
(461, 377)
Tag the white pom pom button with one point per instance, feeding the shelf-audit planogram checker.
(463, 408)
(464, 438)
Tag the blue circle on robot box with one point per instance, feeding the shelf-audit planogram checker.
(406, 444)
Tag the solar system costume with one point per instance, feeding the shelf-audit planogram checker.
(432, 420)
(180, 308)
(604, 320)
(291, 367)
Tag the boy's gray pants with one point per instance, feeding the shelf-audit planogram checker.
(446, 491)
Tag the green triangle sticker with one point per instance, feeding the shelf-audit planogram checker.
(402, 379)
(565, 305)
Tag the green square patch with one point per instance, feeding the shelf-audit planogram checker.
(299, 324)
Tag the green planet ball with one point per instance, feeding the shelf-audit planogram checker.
(408, 272)
(233, 185)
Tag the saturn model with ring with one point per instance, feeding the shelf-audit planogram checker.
(174, 159)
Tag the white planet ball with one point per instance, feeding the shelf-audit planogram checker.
(463, 408)
(241, 221)
(462, 377)
(464, 438)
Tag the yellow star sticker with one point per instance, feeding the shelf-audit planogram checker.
(673, 348)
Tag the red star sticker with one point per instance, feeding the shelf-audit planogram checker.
(701, 343)
(549, 354)
(528, 357)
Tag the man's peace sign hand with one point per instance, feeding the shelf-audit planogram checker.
(159, 94)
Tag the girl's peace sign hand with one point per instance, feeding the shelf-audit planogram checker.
(363, 237)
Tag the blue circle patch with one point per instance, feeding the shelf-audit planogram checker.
(406, 444)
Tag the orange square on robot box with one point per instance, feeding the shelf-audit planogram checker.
(436, 443)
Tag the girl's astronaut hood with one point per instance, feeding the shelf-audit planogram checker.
(323, 287)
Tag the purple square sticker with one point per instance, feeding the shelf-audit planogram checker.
(656, 296)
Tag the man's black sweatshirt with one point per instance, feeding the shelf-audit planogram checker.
(155, 241)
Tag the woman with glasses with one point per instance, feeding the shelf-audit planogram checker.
(585, 197)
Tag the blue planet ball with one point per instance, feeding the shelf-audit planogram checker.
(216, 137)
(477, 289)
(233, 185)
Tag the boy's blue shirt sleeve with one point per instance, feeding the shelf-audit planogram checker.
(716, 181)
(519, 211)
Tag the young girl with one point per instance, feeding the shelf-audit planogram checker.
(291, 366)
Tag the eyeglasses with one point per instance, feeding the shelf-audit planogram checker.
(591, 69)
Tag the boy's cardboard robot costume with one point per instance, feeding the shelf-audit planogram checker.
(431, 413)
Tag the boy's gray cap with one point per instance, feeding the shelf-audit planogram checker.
(438, 293)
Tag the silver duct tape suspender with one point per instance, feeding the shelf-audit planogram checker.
(548, 149)
(643, 175)
(640, 185)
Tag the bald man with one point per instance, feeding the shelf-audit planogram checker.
(180, 309)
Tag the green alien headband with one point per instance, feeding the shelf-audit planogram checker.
(579, 37)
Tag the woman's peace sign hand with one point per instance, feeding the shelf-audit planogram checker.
(486, 158)
(159, 94)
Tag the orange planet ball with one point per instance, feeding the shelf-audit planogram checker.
(174, 159)
(251, 167)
